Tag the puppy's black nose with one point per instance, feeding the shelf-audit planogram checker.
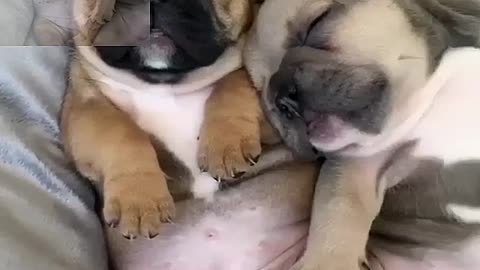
(287, 102)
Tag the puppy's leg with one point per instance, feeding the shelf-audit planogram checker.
(348, 197)
(109, 148)
(230, 134)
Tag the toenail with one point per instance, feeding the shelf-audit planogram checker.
(152, 235)
(364, 265)
(254, 160)
(129, 236)
(238, 174)
(113, 224)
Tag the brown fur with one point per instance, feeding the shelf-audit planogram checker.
(230, 135)
(110, 149)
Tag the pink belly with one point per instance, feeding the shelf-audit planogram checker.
(243, 242)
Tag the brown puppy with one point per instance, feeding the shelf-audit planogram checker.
(127, 83)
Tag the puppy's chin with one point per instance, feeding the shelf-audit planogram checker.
(329, 133)
(150, 63)
(178, 83)
(162, 76)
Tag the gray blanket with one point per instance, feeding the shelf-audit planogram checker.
(47, 218)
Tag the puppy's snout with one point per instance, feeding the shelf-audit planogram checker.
(355, 93)
(339, 88)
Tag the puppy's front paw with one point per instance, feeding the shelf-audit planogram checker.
(138, 204)
(229, 146)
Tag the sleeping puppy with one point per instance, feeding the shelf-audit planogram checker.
(137, 99)
(378, 87)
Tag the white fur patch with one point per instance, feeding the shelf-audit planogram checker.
(465, 214)
(450, 128)
(204, 186)
(175, 120)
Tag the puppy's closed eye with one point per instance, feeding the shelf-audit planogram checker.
(310, 31)
(316, 22)
(316, 35)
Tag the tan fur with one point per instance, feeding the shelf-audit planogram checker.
(350, 190)
(235, 15)
(230, 135)
(346, 205)
(109, 148)
(345, 199)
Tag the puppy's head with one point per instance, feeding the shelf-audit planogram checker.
(344, 76)
(160, 41)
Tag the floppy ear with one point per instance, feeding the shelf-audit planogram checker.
(461, 18)
(445, 23)
(235, 15)
(89, 16)
(456, 22)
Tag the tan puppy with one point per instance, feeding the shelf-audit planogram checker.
(136, 102)
(378, 87)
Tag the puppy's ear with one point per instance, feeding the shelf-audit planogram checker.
(235, 15)
(452, 23)
(461, 19)
(89, 16)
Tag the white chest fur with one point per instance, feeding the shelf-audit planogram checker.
(171, 113)
(450, 129)
(175, 120)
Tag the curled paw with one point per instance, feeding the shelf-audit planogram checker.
(228, 147)
(138, 205)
